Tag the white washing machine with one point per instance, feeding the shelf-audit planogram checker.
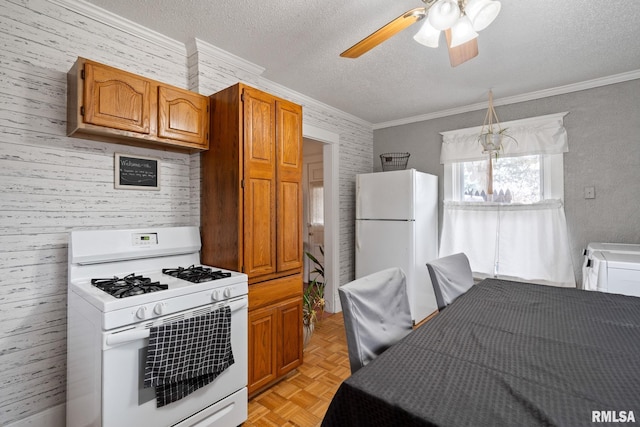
(589, 278)
(616, 273)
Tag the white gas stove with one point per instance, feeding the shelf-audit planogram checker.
(118, 291)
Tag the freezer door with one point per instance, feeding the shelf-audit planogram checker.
(386, 244)
(386, 195)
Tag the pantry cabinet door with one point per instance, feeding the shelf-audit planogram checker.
(259, 183)
(262, 350)
(289, 182)
(289, 335)
(116, 99)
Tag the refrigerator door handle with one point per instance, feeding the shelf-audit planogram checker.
(358, 202)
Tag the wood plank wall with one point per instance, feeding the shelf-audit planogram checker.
(51, 184)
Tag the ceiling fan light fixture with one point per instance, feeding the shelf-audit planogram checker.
(462, 31)
(443, 14)
(482, 12)
(427, 35)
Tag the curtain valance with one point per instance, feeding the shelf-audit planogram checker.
(536, 135)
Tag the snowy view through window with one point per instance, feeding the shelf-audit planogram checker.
(515, 180)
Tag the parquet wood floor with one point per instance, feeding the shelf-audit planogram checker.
(302, 398)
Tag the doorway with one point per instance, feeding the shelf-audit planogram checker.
(329, 141)
(313, 204)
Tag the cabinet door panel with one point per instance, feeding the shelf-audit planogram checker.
(259, 129)
(116, 99)
(289, 336)
(289, 135)
(182, 115)
(262, 352)
(259, 228)
(260, 184)
(289, 224)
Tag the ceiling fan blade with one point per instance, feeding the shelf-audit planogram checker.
(463, 52)
(392, 28)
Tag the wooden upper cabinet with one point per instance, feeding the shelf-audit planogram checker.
(105, 103)
(116, 99)
(183, 115)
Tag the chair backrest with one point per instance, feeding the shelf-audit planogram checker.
(376, 314)
(451, 277)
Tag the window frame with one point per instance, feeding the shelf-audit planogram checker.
(552, 179)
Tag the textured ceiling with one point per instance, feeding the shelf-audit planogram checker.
(532, 46)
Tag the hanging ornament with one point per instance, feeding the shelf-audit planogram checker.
(491, 138)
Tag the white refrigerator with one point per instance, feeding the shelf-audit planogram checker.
(397, 226)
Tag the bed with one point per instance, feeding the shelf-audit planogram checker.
(505, 354)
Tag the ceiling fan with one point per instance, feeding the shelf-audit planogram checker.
(460, 20)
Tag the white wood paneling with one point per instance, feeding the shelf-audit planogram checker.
(51, 184)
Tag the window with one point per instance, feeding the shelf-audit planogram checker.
(316, 203)
(515, 179)
(521, 179)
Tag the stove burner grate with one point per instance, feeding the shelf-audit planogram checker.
(128, 286)
(196, 274)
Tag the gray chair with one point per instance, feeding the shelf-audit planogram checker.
(376, 314)
(451, 277)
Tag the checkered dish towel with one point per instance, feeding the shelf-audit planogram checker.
(188, 354)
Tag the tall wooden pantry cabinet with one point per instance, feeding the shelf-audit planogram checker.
(251, 219)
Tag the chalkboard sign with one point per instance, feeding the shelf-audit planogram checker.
(137, 173)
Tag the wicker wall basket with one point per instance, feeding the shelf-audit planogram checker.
(394, 161)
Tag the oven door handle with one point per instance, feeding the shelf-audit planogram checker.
(128, 336)
(138, 334)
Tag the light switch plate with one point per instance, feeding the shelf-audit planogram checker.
(589, 192)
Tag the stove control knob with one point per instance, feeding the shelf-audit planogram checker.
(159, 308)
(141, 313)
(215, 295)
(227, 293)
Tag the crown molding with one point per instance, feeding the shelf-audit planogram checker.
(271, 86)
(305, 100)
(529, 121)
(197, 45)
(560, 90)
(115, 21)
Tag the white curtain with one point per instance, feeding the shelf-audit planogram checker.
(510, 241)
(519, 241)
